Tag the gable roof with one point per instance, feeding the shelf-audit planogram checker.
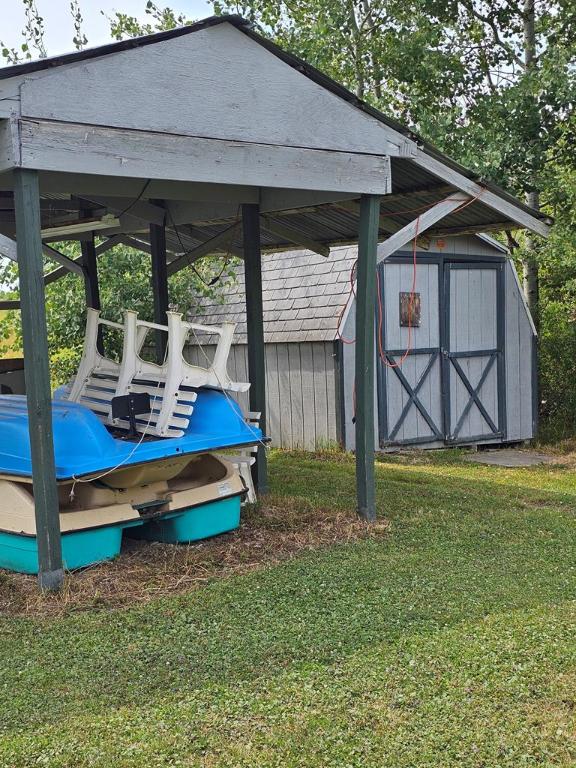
(417, 175)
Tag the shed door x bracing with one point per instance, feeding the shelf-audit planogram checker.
(450, 387)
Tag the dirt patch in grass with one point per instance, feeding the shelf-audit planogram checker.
(277, 530)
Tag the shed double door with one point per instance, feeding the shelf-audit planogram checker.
(443, 380)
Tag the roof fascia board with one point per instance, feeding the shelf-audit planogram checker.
(118, 152)
(487, 197)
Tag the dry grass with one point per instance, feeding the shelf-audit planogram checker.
(277, 530)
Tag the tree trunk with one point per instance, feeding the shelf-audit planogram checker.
(530, 266)
(530, 261)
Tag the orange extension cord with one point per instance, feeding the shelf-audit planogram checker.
(381, 353)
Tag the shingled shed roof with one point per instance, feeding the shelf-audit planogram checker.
(303, 296)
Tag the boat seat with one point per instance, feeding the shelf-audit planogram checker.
(171, 385)
(246, 458)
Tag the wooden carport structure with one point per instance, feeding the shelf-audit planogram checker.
(207, 139)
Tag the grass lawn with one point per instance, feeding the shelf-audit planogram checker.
(449, 640)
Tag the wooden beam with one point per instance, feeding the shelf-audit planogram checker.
(8, 248)
(159, 286)
(91, 286)
(109, 243)
(37, 376)
(89, 149)
(255, 331)
(506, 207)
(70, 265)
(9, 144)
(473, 229)
(420, 224)
(294, 235)
(427, 189)
(136, 243)
(364, 348)
(385, 223)
(10, 304)
(209, 246)
(90, 268)
(139, 209)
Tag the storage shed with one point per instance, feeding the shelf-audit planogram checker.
(463, 374)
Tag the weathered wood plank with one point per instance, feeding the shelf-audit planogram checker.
(332, 386)
(285, 413)
(221, 100)
(273, 405)
(309, 376)
(80, 148)
(486, 197)
(296, 395)
(9, 146)
(320, 398)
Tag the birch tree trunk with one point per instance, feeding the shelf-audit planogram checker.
(530, 266)
(530, 261)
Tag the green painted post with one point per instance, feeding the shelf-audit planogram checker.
(159, 283)
(91, 288)
(365, 313)
(37, 373)
(255, 328)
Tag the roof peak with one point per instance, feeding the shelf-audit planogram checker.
(129, 43)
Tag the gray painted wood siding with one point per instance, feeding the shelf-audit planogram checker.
(216, 82)
(520, 335)
(473, 327)
(300, 390)
(398, 278)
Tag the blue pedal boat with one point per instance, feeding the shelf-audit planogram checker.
(171, 489)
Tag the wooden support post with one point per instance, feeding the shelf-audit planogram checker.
(91, 287)
(159, 284)
(255, 328)
(37, 373)
(365, 314)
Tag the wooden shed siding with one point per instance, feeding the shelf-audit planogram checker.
(300, 390)
(519, 361)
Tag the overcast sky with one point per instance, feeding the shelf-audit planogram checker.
(58, 22)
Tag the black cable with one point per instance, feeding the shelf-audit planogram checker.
(186, 251)
(136, 199)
